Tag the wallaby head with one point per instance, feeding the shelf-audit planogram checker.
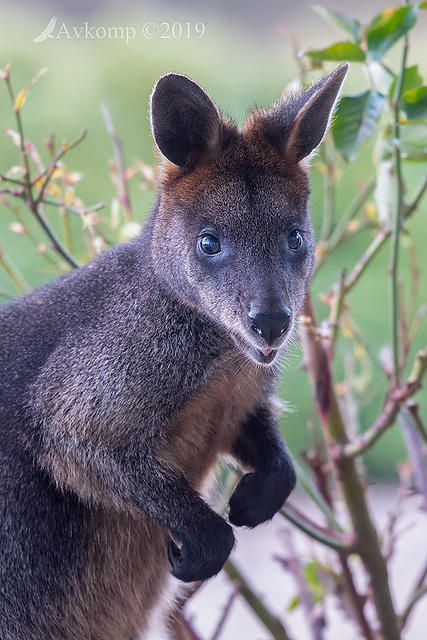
(232, 233)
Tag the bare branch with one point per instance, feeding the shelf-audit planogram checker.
(226, 612)
(273, 624)
(119, 166)
(334, 540)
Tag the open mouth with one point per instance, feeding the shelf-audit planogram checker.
(266, 356)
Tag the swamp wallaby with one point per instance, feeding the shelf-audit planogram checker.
(123, 382)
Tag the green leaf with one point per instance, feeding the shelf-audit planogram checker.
(381, 77)
(294, 603)
(340, 51)
(414, 103)
(311, 573)
(411, 80)
(423, 5)
(355, 121)
(345, 23)
(413, 142)
(387, 28)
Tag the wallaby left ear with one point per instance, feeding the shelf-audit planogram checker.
(312, 119)
(187, 126)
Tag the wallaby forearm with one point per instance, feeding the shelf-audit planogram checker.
(129, 478)
(259, 445)
(260, 494)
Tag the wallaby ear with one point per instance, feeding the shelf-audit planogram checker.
(186, 124)
(297, 124)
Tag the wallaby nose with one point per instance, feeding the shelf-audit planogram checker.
(270, 325)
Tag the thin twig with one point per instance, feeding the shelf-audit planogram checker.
(121, 183)
(394, 254)
(183, 629)
(414, 446)
(4, 178)
(84, 210)
(273, 624)
(336, 309)
(57, 244)
(338, 234)
(419, 194)
(15, 277)
(388, 415)
(328, 218)
(316, 532)
(414, 409)
(35, 204)
(50, 171)
(422, 591)
(315, 621)
(365, 260)
(225, 613)
(355, 205)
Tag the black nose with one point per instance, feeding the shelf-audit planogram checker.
(270, 325)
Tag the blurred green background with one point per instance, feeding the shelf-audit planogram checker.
(243, 59)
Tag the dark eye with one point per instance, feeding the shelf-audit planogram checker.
(295, 240)
(209, 244)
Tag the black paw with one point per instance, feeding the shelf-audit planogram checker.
(204, 554)
(260, 495)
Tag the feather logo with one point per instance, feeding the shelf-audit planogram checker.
(47, 32)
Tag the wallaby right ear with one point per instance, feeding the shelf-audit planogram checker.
(186, 124)
(297, 124)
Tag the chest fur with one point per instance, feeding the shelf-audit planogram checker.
(209, 423)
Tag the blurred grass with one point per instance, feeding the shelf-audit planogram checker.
(238, 72)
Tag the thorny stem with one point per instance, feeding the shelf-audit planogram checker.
(394, 255)
(333, 426)
(273, 624)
